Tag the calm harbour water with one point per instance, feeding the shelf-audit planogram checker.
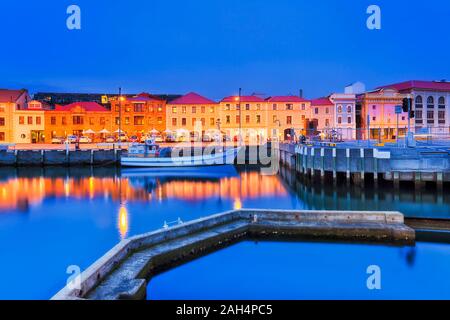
(53, 218)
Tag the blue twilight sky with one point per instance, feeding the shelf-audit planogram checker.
(215, 46)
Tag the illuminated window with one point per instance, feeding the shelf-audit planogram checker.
(2, 122)
(289, 106)
(289, 120)
(339, 109)
(159, 120)
(138, 120)
(211, 109)
(127, 120)
(77, 120)
(258, 118)
(212, 121)
(21, 120)
(183, 109)
(138, 107)
(30, 120)
(38, 120)
(2, 136)
(227, 120)
(174, 109)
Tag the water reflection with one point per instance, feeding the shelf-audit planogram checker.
(123, 221)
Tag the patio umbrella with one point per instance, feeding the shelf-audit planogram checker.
(118, 131)
(168, 131)
(104, 131)
(89, 131)
(154, 131)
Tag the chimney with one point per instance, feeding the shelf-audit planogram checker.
(301, 93)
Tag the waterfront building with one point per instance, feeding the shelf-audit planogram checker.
(322, 115)
(139, 115)
(287, 112)
(191, 112)
(20, 122)
(249, 114)
(376, 110)
(344, 115)
(431, 103)
(76, 119)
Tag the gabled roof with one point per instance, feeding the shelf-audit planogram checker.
(144, 96)
(325, 101)
(243, 99)
(192, 98)
(420, 84)
(286, 99)
(10, 95)
(88, 106)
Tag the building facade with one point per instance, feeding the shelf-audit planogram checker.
(431, 104)
(76, 119)
(378, 114)
(287, 112)
(139, 115)
(192, 112)
(344, 111)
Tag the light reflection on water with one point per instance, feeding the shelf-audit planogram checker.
(55, 217)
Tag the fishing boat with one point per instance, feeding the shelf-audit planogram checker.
(149, 154)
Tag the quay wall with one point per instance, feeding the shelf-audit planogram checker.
(418, 165)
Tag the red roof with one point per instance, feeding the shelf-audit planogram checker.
(10, 95)
(144, 97)
(321, 102)
(88, 106)
(286, 99)
(243, 99)
(420, 84)
(192, 98)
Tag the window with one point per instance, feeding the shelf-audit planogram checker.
(159, 119)
(238, 107)
(52, 121)
(247, 106)
(138, 120)
(203, 110)
(30, 120)
(127, 108)
(238, 119)
(289, 106)
(258, 118)
(339, 120)
(102, 121)
(194, 121)
(430, 116)
(160, 110)
(77, 120)
(349, 109)
(63, 121)
(327, 122)
(91, 121)
(419, 102)
(117, 108)
(274, 119)
(349, 120)
(441, 103)
(2, 122)
(138, 107)
(21, 120)
(174, 109)
(183, 121)
(227, 120)
(194, 109)
(203, 122)
(374, 118)
(174, 122)
(211, 109)
(327, 110)
(441, 116)
(303, 117)
(38, 120)
(430, 102)
(212, 122)
(258, 107)
(303, 106)
(289, 120)
(316, 110)
(183, 109)
(127, 120)
(339, 109)
(274, 107)
(117, 120)
(227, 107)
(2, 136)
(374, 107)
(247, 119)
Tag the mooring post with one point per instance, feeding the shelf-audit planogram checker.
(396, 178)
(347, 173)
(312, 162)
(322, 169)
(362, 166)
(440, 181)
(334, 167)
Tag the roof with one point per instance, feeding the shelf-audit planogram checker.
(88, 106)
(10, 95)
(325, 101)
(192, 98)
(420, 84)
(144, 96)
(286, 99)
(243, 99)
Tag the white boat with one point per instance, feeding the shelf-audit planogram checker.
(150, 154)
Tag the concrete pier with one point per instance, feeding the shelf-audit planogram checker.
(123, 272)
(416, 165)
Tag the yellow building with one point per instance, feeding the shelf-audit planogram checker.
(20, 122)
(287, 112)
(246, 113)
(192, 112)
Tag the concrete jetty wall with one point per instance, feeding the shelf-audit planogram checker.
(123, 272)
(418, 165)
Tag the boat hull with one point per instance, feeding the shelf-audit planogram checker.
(220, 159)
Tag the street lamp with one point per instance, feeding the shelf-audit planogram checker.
(240, 115)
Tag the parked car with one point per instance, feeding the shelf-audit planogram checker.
(58, 140)
(134, 139)
(170, 138)
(110, 139)
(123, 137)
(85, 139)
(72, 139)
